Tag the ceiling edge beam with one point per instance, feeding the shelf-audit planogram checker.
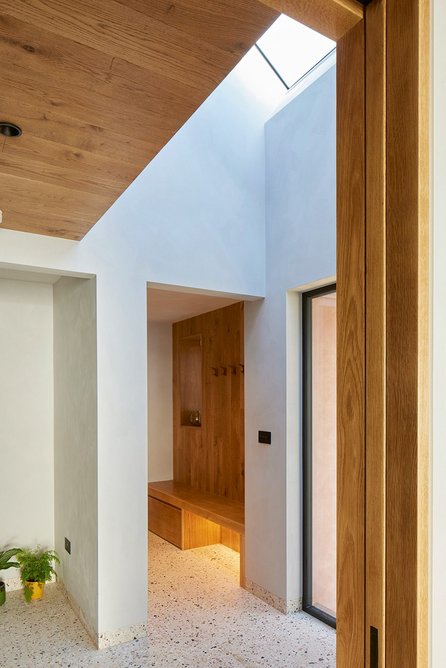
(332, 18)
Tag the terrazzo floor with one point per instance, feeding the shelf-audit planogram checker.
(198, 617)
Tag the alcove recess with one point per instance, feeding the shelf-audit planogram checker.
(190, 360)
(204, 503)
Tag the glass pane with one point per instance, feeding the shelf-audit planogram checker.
(324, 452)
(293, 49)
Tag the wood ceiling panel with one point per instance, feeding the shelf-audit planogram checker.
(36, 51)
(211, 22)
(55, 127)
(62, 166)
(31, 89)
(117, 29)
(52, 225)
(45, 198)
(99, 87)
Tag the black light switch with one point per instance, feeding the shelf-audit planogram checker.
(265, 437)
(68, 545)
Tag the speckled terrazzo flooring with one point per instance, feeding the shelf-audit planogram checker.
(198, 617)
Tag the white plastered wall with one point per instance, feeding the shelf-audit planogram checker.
(300, 251)
(26, 417)
(75, 441)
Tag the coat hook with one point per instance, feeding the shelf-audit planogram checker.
(214, 370)
(224, 370)
(242, 367)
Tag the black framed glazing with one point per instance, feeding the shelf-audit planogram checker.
(307, 453)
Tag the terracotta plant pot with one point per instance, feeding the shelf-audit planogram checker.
(36, 589)
(2, 593)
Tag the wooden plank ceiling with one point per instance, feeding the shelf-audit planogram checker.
(98, 88)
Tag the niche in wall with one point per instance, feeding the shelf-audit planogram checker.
(27, 414)
(48, 425)
(190, 354)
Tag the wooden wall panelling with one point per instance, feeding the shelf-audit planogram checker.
(237, 436)
(407, 333)
(375, 325)
(190, 379)
(211, 458)
(189, 455)
(198, 531)
(216, 404)
(230, 539)
(350, 287)
(224, 431)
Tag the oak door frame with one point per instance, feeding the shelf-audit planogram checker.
(383, 338)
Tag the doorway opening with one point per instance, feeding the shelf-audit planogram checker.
(196, 419)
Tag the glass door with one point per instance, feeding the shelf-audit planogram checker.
(319, 452)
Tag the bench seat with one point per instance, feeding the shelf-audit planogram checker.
(188, 518)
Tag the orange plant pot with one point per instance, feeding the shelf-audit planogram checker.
(36, 589)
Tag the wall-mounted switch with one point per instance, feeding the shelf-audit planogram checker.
(265, 437)
(68, 545)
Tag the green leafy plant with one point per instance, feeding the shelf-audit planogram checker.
(36, 566)
(6, 556)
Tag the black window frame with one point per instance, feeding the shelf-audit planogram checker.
(307, 453)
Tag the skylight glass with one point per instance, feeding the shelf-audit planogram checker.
(293, 49)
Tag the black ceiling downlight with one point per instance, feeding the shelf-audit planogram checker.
(9, 129)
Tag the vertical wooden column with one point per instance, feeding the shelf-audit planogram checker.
(350, 286)
(407, 333)
(375, 21)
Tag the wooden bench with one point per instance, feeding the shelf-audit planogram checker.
(189, 518)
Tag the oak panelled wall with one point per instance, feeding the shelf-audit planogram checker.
(208, 370)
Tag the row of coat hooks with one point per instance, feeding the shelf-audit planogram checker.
(223, 370)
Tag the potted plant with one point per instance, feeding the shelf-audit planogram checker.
(5, 562)
(36, 568)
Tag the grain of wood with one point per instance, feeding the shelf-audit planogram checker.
(350, 288)
(78, 71)
(407, 333)
(165, 521)
(332, 18)
(211, 457)
(198, 531)
(230, 539)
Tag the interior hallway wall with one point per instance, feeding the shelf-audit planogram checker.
(26, 422)
(300, 250)
(194, 217)
(159, 365)
(75, 441)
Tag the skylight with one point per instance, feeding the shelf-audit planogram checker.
(292, 49)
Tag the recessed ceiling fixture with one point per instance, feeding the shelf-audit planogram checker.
(10, 129)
